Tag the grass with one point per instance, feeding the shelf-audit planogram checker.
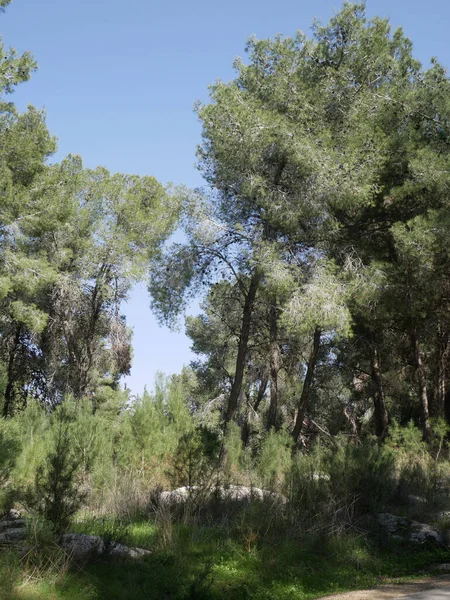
(204, 562)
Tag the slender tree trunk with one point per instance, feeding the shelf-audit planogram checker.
(261, 392)
(304, 398)
(349, 414)
(274, 365)
(442, 355)
(422, 384)
(8, 405)
(246, 431)
(380, 412)
(242, 348)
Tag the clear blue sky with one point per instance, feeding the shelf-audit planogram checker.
(118, 81)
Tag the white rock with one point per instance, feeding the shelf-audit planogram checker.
(117, 550)
(79, 545)
(412, 531)
(421, 533)
(414, 500)
(391, 523)
(234, 493)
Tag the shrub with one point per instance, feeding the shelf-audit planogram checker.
(9, 451)
(275, 459)
(57, 494)
(363, 476)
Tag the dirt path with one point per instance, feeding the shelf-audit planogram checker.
(395, 590)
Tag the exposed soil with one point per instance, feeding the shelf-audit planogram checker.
(395, 590)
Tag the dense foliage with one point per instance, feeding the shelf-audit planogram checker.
(319, 248)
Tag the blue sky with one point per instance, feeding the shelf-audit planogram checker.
(118, 81)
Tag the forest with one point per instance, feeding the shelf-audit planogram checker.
(319, 399)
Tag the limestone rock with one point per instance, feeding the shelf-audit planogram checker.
(391, 523)
(117, 550)
(234, 493)
(421, 533)
(12, 535)
(414, 500)
(80, 546)
(17, 524)
(13, 514)
(411, 531)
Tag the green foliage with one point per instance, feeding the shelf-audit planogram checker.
(189, 465)
(275, 459)
(363, 477)
(9, 451)
(57, 493)
(234, 451)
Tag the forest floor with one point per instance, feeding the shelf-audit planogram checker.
(214, 563)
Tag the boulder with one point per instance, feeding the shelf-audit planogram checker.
(17, 524)
(12, 535)
(414, 500)
(117, 550)
(392, 524)
(81, 546)
(13, 515)
(410, 531)
(233, 493)
(421, 533)
(177, 496)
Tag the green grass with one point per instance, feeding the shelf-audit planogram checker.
(204, 562)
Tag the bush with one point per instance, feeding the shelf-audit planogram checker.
(363, 477)
(275, 459)
(331, 488)
(9, 451)
(57, 495)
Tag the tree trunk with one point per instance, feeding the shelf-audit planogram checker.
(246, 431)
(442, 355)
(380, 412)
(422, 384)
(274, 365)
(304, 398)
(8, 405)
(261, 392)
(242, 348)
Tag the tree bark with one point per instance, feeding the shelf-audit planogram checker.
(246, 431)
(10, 374)
(242, 348)
(442, 355)
(422, 386)
(274, 365)
(261, 392)
(380, 411)
(304, 398)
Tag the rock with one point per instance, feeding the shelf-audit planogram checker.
(320, 476)
(4, 525)
(441, 567)
(411, 531)
(421, 533)
(414, 500)
(79, 545)
(178, 496)
(234, 493)
(13, 514)
(391, 523)
(12, 535)
(117, 550)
